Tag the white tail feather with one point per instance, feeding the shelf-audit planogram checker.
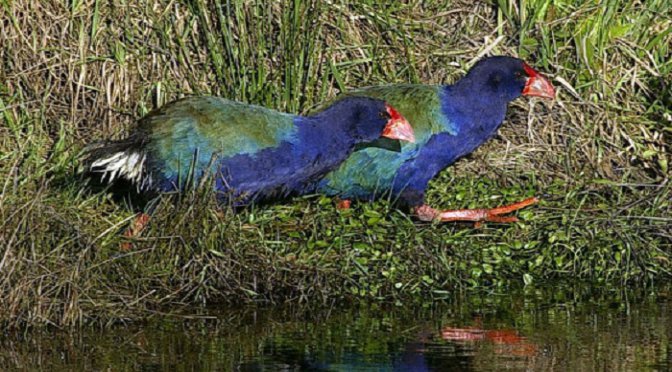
(126, 164)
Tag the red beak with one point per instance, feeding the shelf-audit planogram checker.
(537, 85)
(398, 127)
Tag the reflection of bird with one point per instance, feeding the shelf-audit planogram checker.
(252, 153)
(509, 341)
(449, 122)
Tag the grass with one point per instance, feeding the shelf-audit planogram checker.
(78, 71)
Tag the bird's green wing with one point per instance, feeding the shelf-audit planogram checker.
(196, 128)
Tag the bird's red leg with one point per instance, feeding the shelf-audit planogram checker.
(135, 229)
(427, 213)
(343, 203)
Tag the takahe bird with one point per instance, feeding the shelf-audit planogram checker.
(449, 121)
(251, 153)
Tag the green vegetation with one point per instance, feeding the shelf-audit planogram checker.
(73, 72)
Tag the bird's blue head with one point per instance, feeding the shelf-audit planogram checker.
(367, 119)
(506, 78)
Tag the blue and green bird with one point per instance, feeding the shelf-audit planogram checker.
(449, 121)
(249, 153)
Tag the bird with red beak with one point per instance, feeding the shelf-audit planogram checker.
(450, 121)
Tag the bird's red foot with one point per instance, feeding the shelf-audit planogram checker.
(343, 203)
(134, 230)
(427, 213)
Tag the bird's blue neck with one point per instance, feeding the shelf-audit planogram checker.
(318, 147)
(326, 131)
(475, 111)
(475, 116)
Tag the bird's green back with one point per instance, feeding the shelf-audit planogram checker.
(420, 105)
(214, 126)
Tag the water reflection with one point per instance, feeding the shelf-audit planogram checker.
(556, 330)
(505, 341)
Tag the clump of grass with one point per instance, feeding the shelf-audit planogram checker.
(77, 72)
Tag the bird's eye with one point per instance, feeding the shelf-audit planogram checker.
(385, 115)
(519, 74)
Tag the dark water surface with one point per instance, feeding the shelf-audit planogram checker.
(563, 330)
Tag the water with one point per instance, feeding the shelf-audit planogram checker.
(563, 330)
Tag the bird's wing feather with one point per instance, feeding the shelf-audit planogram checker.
(215, 127)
